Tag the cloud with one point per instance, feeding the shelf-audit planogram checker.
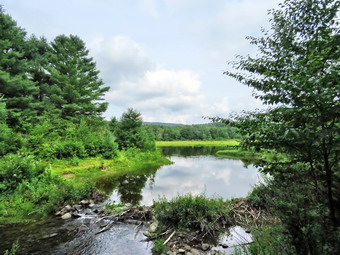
(135, 81)
(119, 58)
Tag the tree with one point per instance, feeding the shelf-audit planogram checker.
(129, 132)
(297, 72)
(75, 88)
(15, 85)
(37, 53)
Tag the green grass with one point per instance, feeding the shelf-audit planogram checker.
(68, 181)
(93, 169)
(267, 156)
(198, 143)
(159, 247)
(190, 213)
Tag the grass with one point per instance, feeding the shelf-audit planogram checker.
(69, 181)
(190, 213)
(198, 143)
(267, 156)
(93, 169)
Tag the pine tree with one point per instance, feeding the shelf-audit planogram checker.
(75, 88)
(18, 90)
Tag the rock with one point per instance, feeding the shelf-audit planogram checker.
(205, 246)
(83, 227)
(66, 216)
(76, 215)
(84, 202)
(195, 251)
(92, 205)
(181, 251)
(187, 247)
(91, 201)
(77, 207)
(224, 245)
(58, 213)
(153, 227)
(67, 208)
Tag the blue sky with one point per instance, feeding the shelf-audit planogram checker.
(164, 58)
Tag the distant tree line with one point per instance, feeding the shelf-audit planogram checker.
(192, 132)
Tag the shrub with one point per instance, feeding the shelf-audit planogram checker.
(159, 247)
(69, 149)
(190, 212)
(15, 169)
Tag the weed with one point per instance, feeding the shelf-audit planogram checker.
(190, 212)
(159, 247)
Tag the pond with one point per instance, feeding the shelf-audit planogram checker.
(194, 170)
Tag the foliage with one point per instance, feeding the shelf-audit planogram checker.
(14, 248)
(159, 247)
(225, 143)
(129, 132)
(17, 169)
(37, 194)
(270, 240)
(189, 212)
(75, 86)
(192, 132)
(64, 139)
(297, 70)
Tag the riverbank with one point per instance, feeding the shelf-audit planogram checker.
(193, 224)
(59, 182)
(225, 143)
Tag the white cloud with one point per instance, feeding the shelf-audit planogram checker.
(119, 58)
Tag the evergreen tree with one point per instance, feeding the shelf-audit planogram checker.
(15, 83)
(37, 52)
(75, 88)
(129, 132)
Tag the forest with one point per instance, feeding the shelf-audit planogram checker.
(51, 102)
(213, 131)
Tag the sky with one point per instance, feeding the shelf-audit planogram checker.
(164, 58)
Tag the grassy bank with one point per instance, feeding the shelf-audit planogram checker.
(267, 156)
(198, 143)
(92, 169)
(44, 186)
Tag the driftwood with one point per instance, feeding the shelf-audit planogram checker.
(107, 227)
(168, 239)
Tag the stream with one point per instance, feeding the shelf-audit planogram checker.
(194, 170)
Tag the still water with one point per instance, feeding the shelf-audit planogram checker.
(194, 170)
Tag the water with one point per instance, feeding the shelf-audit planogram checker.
(194, 170)
(197, 172)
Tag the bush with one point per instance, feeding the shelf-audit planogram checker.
(15, 169)
(69, 149)
(190, 212)
(270, 240)
(159, 247)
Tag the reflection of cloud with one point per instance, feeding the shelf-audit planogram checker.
(201, 175)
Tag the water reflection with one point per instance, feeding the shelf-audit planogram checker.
(189, 151)
(204, 174)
